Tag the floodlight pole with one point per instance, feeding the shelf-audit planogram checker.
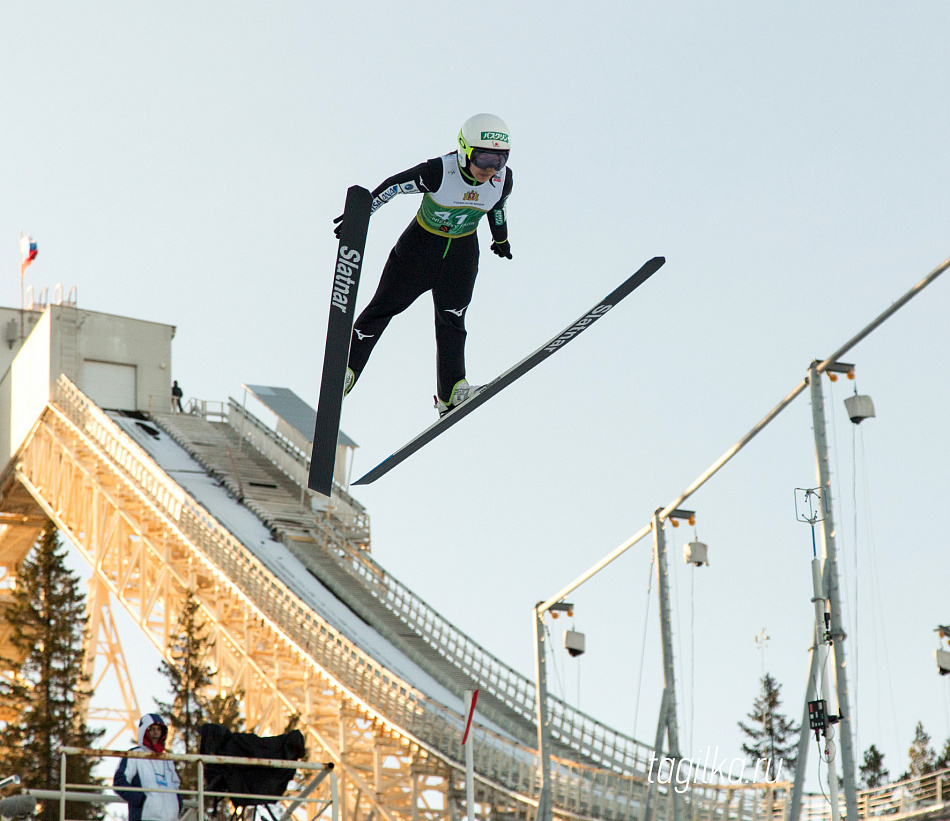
(541, 708)
(829, 594)
(667, 724)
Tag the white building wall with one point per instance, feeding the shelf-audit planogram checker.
(106, 339)
(10, 333)
(25, 389)
(65, 339)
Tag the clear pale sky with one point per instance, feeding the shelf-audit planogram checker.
(182, 163)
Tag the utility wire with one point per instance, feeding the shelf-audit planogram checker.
(643, 645)
(557, 672)
(692, 651)
(878, 606)
(578, 665)
(857, 609)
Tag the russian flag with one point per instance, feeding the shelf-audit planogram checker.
(27, 249)
(27, 252)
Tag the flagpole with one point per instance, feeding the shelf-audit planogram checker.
(22, 299)
(27, 255)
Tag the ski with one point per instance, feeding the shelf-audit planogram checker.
(486, 392)
(346, 277)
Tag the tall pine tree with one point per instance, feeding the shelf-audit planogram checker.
(873, 771)
(190, 676)
(943, 760)
(46, 690)
(771, 735)
(921, 755)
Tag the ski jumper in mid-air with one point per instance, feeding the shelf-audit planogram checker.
(438, 252)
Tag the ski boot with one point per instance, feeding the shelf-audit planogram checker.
(460, 393)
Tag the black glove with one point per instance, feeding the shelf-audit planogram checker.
(338, 225)
(503, 248)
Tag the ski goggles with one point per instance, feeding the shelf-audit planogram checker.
(484, 158)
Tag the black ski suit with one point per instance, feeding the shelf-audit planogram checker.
(438, 252)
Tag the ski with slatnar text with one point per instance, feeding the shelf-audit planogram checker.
(346, 278)
(486, 392)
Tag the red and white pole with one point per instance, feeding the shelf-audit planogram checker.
(468, 741)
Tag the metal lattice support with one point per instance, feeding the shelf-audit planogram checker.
(103, 642)
(146, 563)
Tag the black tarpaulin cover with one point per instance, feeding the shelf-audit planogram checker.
(257, 780)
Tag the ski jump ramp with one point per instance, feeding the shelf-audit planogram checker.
(304, 622)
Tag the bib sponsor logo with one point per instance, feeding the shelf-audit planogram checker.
(495, 136)
(579, 326)
(471, 196)
(347, 266)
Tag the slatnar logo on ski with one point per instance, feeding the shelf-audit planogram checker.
(579, 326)
(347, 264)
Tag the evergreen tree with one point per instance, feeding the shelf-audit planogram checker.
(225, 709)
(873, 771)
(190, 676)
(45, 692)
(943, 762)
(771, 735)
(921, 755)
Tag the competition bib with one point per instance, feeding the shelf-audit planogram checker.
(456, 207)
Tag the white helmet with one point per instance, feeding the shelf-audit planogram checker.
(485, 131)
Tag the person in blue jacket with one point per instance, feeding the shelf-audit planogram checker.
(150, 775)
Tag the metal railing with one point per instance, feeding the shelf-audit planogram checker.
(925, 794)
(197, 798)
(295, 464)
(590, 737)
(211, 409)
